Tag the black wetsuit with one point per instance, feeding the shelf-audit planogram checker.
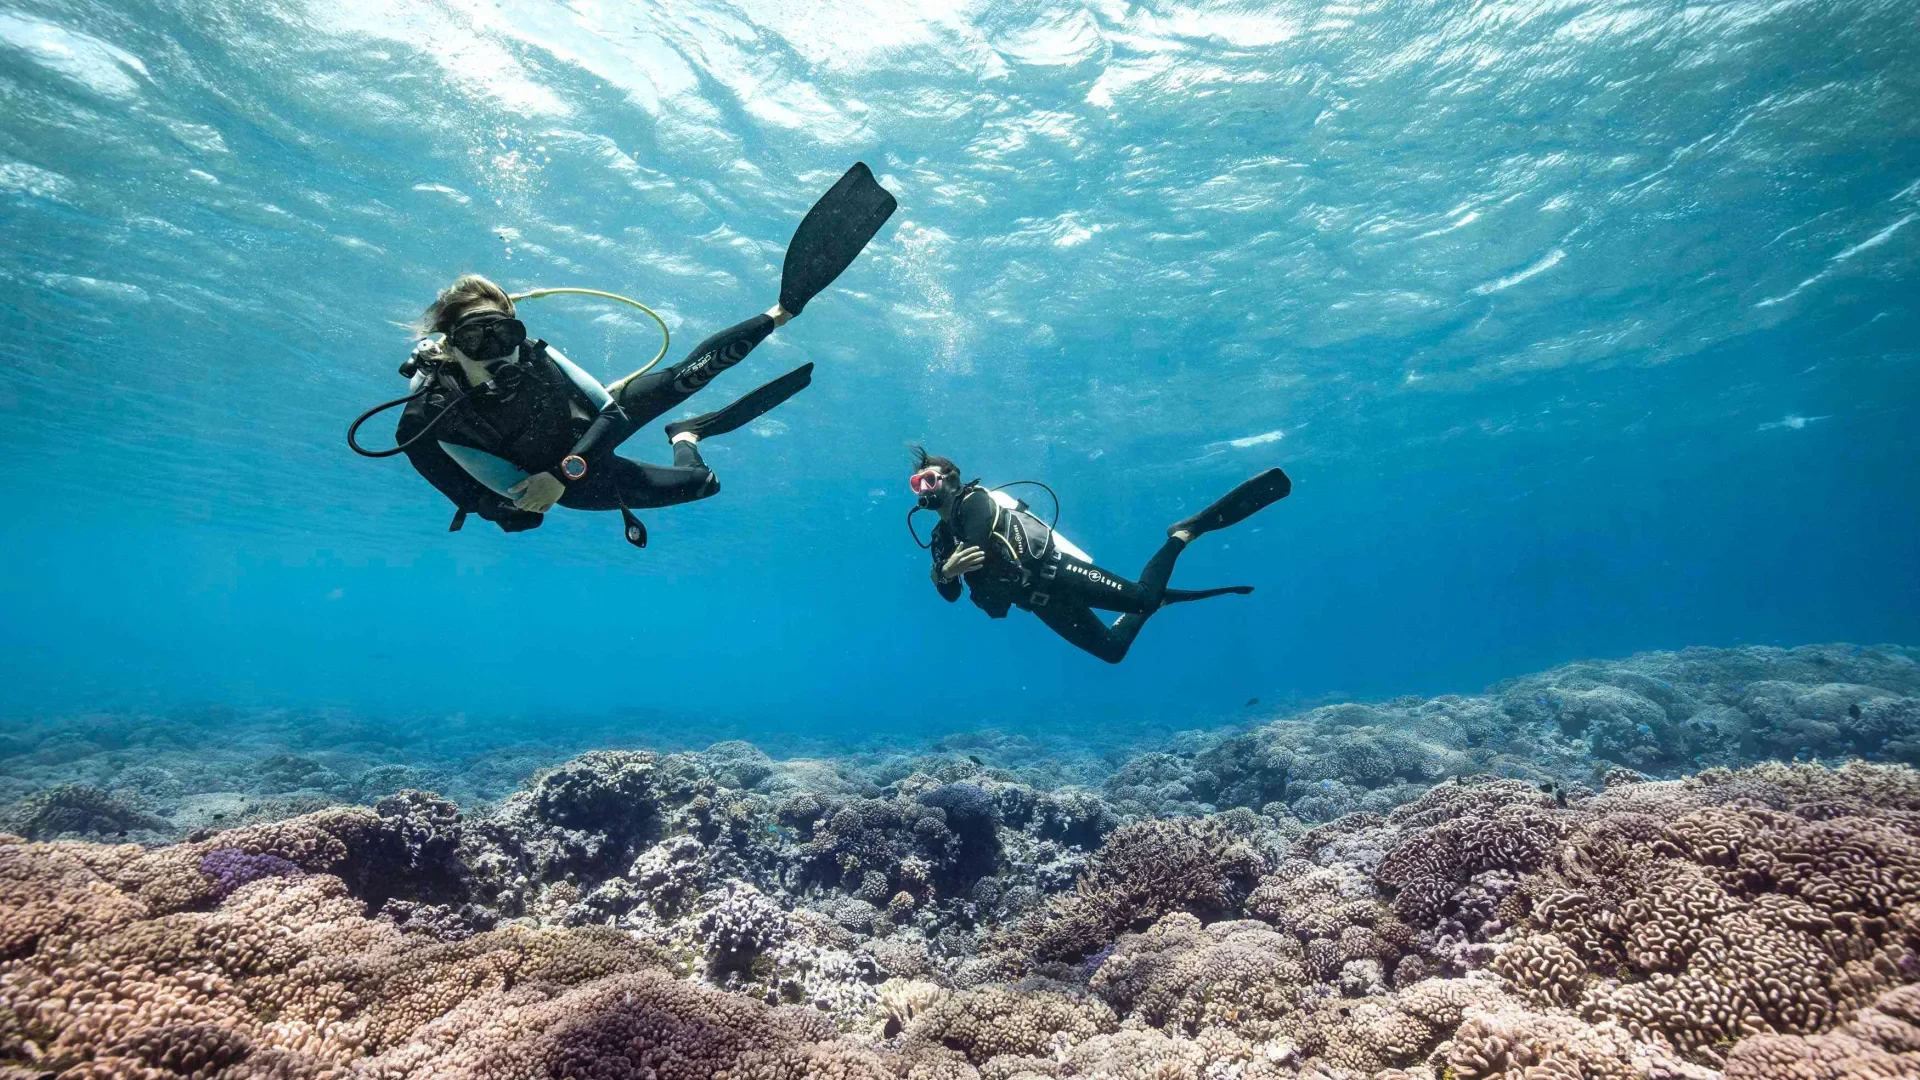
(533, 415)
(1026, 569)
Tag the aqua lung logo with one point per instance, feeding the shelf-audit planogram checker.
(1095, 575)
(701, 371)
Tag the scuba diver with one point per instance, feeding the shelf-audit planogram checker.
(1010, 558)
(507, 428)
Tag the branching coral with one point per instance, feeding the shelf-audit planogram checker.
(867, 844)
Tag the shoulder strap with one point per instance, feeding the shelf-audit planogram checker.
(587, 386)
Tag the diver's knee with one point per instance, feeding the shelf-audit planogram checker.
(710, 487)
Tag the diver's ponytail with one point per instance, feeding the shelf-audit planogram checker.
(924, 460)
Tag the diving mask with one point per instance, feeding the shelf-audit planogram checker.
(488, 335)
(926, 481)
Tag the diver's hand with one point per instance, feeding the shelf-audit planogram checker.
(964, 561)
(537, 493)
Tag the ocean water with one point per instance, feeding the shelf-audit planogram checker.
(1573, 726)
(1583, 329)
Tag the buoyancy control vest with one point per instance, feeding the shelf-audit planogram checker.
(1023, 553)
(522, 421)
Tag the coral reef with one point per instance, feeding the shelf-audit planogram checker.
(1662, 714)
(1881, 1042)
(1355, 893)
(1204, 866)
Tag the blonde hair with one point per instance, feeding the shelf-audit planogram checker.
(468, 292)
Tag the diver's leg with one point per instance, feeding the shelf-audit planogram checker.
(639, 486)
(1159, 569)
(1081, 627)
(1091, 586)
(646, 398)
(1102, 589)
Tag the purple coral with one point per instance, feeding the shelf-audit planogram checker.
(229, 868)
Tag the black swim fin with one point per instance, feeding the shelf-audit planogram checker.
(1182, 596)
(832, 235)
(753, 406)
(1238, 505)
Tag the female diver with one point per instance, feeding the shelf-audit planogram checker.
(1010, 558)
(508, 428)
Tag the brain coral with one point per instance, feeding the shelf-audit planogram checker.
(642, 1026)
(1205, 866)
(1506, 1042)
(1481, 827)
(994, 1021)
(1181, 976)
(1375, 1033)
(1881, 1043)
(1700, 926)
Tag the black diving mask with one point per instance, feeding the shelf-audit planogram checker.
(488, 335)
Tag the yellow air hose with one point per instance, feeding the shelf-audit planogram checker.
(665, 336)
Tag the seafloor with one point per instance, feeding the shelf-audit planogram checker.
(1610, 870)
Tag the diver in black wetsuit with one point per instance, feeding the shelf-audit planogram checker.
(508, 428)
(530, 432)
(1010, 558)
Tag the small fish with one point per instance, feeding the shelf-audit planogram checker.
(975, 760)
(1251, 702)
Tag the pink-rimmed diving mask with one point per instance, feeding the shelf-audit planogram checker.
(926, 481)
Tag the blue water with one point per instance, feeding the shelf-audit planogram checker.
(1583, 328)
